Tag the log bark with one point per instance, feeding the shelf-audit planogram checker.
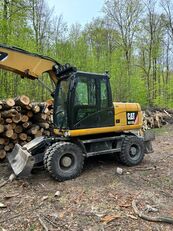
(39, 133)
(2, 128)
(9, 113)
(16, 119)
(11, 145)
(18, 129)
(33, 130)
(2, 141)
(14, 136)
(8, 120)
(23, 143)
(6, 141)
(27, 124)
(22, 100)
(8, 103)
(29, 114)
(44, 125)
(2, 154)
(23, 136)
(13, 125)
(1, 121)
(29, 106)
(7, 148)
(8, 127)
(35, 108)
(18, 108)
(24, 118)
(8, 133)
(29, 138)
(40, 117)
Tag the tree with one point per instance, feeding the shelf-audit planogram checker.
(150, 43)
(125, 17)
(40, 18)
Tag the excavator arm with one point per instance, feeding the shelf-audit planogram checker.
(32, 66)
(27, 64)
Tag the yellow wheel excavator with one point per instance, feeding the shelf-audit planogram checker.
(86, 120)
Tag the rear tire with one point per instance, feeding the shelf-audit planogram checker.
(64, 161)
(132, 151)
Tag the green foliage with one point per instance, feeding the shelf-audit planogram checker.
(134, 56)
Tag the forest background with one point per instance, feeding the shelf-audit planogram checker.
(133, 40)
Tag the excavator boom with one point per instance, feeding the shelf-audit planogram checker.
(32, 66)
(25, 63)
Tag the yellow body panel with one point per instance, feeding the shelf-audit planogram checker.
(120, 110)
(26, 64)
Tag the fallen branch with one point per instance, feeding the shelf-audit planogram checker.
(42, 223)
(140, 214)
(144, 168)
(167, 113)
(4, 183)
(10, 179)
(54, 224)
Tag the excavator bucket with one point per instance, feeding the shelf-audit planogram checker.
(21, 161)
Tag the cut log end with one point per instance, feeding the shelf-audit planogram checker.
(22, 100)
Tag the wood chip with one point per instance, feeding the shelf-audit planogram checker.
(125, 205)
(2, 205)
(44, 198)
(131, 216)
(108, 218)
(119, 171)
(10, 196)
(57, 194)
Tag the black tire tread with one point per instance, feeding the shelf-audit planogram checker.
(46, 155)
(49, 156)
(123, 155)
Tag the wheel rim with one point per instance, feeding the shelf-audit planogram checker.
(135, 152)
(66, 161)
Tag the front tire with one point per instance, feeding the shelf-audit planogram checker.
(132, 152)
(64, 161)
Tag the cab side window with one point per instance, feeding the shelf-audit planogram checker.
(104, 94)
(85, 98)
(85, 92)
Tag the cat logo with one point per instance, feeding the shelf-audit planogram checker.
(3, 56)
(131, 117)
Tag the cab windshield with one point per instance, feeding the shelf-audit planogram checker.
(60, 105)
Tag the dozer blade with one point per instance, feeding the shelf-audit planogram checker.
(21, 161)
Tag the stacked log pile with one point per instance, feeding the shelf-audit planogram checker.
(156, 118)
(21, 121)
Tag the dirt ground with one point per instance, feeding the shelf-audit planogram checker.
(100, 199)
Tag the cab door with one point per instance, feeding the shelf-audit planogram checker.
(106, 108)
(90, 102)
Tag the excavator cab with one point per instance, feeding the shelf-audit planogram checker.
(82, 101)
